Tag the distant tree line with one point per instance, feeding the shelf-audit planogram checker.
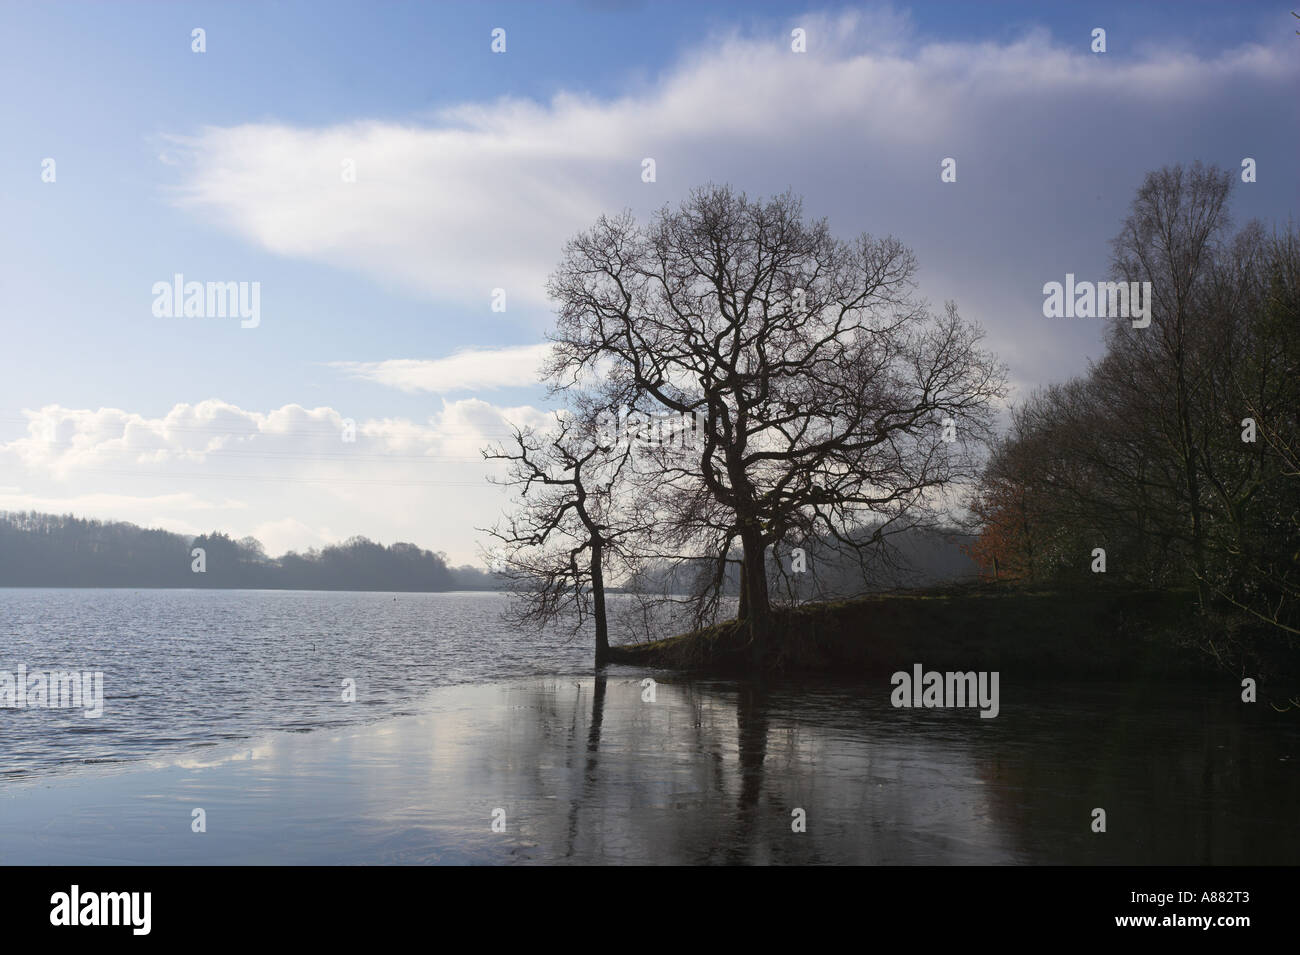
(47, 550)
(1178, 453)
(818, 569)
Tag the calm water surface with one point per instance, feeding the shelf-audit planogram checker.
(185, 668)
(201, 686)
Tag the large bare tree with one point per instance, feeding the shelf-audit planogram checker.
(828, 395)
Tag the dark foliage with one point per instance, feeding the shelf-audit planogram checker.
(47, 550)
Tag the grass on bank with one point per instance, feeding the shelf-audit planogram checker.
(1099, 633)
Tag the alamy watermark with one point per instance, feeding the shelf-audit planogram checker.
(626, 428)
(75, 907)
(1098, 300)
(934, 689)
(181, 299)
(53, 690)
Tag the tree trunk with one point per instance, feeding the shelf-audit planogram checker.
(1192, 479)
(598, 600)
(742, 605)
(758, 607)
(754, 576)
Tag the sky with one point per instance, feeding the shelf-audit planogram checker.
(380, 173)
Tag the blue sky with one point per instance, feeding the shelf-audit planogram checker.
(472, 168)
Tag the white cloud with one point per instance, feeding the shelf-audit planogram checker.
(286, 476)
(469, 370)
(484, 194)
(289, 533)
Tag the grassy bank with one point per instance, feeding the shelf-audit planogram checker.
(1095, 633)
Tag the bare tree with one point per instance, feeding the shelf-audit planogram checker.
(1262, 496)
(559, 542)
(1172, 239)
(1177, 451)
(828, 395)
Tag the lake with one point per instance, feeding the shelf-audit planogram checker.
(471, 741)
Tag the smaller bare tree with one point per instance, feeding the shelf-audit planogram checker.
(562, 538)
